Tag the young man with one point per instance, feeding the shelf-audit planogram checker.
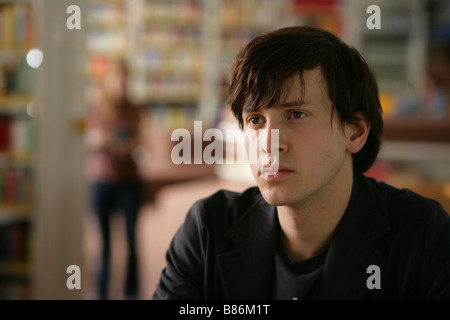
(316, 227)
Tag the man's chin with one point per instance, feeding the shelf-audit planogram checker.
(275, 197)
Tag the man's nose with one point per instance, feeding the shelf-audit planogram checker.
(270, 139)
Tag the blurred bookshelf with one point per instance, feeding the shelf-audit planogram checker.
(167, 59)
(396, 51)
(18, 142)
(179, 52)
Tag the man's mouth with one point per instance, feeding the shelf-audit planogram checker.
(274, 173)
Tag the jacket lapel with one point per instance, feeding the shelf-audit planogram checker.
(246, 272)
(352, 249)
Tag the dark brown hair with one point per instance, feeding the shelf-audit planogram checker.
(266, 62)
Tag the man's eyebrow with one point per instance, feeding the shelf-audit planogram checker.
(289, 104)
(296, 103)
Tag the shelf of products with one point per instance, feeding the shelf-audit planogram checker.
(167, 59)
(415, 105)
(17, 147)
(238, 23)
(395, 51)
(180, 52)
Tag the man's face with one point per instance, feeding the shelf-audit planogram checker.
(312, 146)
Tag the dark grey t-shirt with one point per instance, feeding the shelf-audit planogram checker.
(296, 280)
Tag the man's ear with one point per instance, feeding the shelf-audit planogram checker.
(357, 133)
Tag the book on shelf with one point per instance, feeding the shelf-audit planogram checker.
(16, 79)
(16, 184)
(17, 137)
(14, 246)
(16, 25)
(4, 133)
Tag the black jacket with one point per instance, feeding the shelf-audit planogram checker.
(225, 248)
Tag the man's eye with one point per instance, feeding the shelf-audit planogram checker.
(254, 120)
(298, 114)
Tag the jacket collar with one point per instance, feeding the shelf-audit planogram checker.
(247, 271)
(352, 249)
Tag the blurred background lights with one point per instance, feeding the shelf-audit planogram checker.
(30, 109)
(34, 58)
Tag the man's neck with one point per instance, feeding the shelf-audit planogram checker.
(309, 227)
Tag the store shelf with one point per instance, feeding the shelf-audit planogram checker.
(15, 279)
(14, 212)
(15, 270)
(396, 51)
(18, 140)
(17, 24)
(16, 104)
(420, 130)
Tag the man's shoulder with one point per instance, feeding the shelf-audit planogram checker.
(219, 211)
(402, 195)
(401, 201)
(225, 203)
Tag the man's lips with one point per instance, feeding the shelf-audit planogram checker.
(272, 174)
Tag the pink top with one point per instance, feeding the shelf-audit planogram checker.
(112, 139)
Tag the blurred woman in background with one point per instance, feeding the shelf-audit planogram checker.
(113, 138)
